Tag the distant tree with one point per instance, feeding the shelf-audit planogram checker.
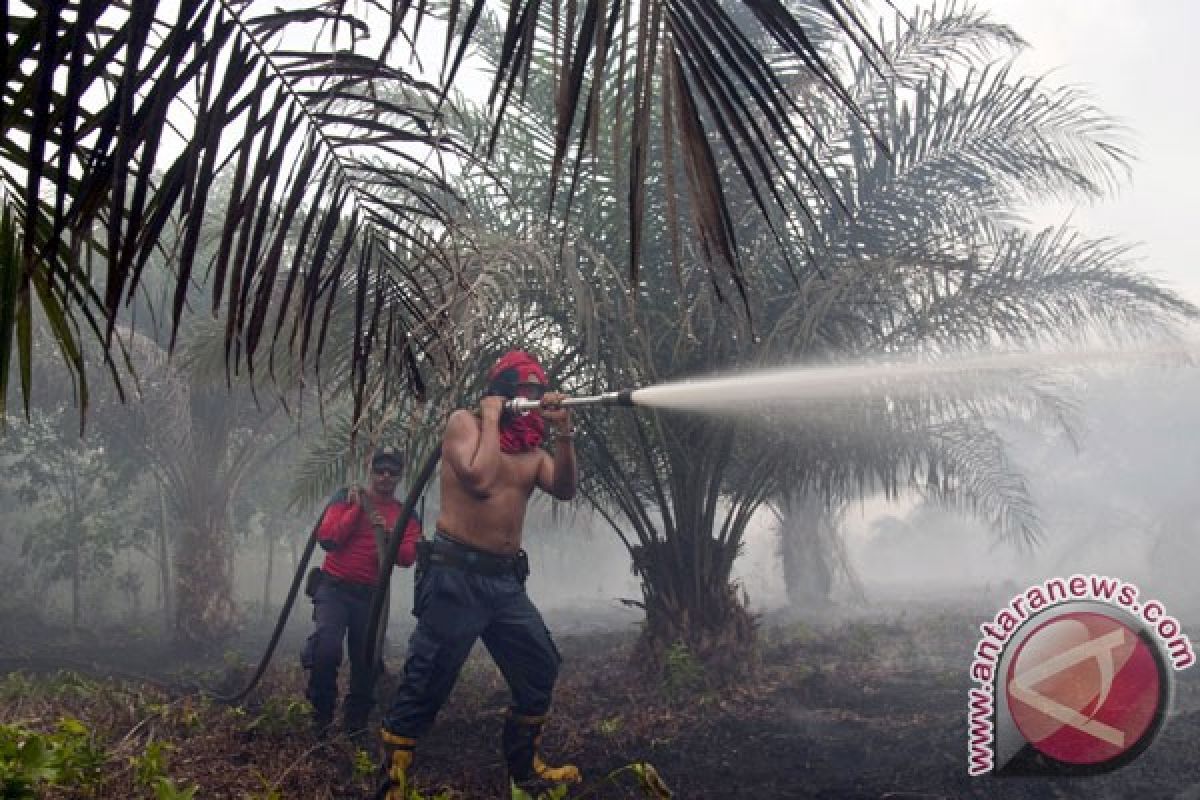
(812, 550)
(201, 440)
(79, 511)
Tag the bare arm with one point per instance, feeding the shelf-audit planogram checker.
(474, 454)
(557, 474)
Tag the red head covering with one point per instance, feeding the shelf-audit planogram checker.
(526, 366)
(519, 433)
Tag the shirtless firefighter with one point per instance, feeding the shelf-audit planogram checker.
(471, 578)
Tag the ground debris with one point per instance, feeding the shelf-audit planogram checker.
(868, 711)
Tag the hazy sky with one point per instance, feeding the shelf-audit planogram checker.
(1139, 61)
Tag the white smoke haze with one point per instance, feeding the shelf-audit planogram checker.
(1124, 501)
(1124, 504)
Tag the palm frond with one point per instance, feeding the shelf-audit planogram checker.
(934, 41)
(1053, 283)
(973, 473)
(989, 145)
(706, 61)
(128, 126)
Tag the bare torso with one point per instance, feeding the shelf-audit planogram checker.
(490, 520)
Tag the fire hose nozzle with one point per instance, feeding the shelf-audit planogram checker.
(624, 397)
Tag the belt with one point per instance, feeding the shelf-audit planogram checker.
(450, 553)
(357, 589)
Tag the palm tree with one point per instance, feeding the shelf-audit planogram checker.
(923, 255)
(992, 149)
(201, 442)
(812, 550)
(119, 119)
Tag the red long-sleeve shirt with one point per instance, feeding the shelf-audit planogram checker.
(347, 534)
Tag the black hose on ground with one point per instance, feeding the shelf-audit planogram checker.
(378, 597)
(293, 590)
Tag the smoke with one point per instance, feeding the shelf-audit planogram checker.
(1123, 501)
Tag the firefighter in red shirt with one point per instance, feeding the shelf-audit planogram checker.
(353, 529)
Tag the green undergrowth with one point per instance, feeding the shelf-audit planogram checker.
(138, 742)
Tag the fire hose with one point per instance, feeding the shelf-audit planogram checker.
(624, 397)
(377, 597)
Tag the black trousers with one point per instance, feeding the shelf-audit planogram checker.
(342, 616)
(454, 607)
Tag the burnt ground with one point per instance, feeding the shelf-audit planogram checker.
(864, 708)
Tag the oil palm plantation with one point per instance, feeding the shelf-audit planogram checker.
(921, 252)
(288, 166)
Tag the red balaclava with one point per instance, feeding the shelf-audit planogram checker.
(519, 433)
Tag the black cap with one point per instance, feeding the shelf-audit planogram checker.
(387, 456)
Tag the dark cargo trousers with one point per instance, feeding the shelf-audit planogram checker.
(454, 607)
(341, 615)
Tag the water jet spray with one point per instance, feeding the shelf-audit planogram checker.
(801, 387)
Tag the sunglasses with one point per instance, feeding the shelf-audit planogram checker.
(389, 472)
(531, 391)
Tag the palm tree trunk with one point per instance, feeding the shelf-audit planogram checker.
(164, 559)
(204, 610)
(75, 520)
(689, 600)
(76, 583)
(806, 536)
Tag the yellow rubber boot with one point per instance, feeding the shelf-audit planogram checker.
(564, 773)
(397, 759)
(522, 743)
